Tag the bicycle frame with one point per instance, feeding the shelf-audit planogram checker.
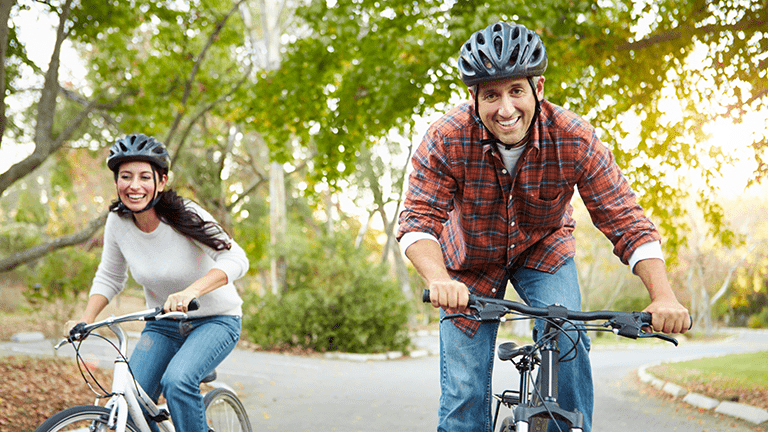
(548, 380)
(129, 396)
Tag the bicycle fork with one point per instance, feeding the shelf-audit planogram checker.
(545, 394)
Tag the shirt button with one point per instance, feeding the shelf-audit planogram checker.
(503, 171)
(512, 247)
(493, 290)
(512, 223)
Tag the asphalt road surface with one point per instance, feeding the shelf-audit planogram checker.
(317, 394)
(292, 393)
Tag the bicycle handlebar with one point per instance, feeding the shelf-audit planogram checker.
(626, 324)
(82, 330)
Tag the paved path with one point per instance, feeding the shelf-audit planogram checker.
(284, 392)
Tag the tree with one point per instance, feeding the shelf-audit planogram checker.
(164, 69)
(649, 76)
(353, 72)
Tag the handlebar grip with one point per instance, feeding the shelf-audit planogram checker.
(646, 318)
(425, 298)
(193, 305)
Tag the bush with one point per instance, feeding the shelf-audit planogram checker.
(357, 321)
(335, 301)
(64, 274)
(758, 320)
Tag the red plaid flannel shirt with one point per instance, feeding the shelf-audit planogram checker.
(488, 220)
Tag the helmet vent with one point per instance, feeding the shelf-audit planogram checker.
(498, 44)
(480, 39)
(536, 54)
(515, 33)
(514, 55)
(486, 61)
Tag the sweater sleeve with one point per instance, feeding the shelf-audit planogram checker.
(113, 269)
(233, 262)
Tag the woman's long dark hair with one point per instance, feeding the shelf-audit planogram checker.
(170, 209)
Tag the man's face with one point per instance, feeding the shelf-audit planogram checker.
(506, 107)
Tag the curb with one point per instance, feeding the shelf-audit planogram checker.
(745, 412)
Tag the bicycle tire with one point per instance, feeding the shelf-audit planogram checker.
(84, 417)
(224, 412)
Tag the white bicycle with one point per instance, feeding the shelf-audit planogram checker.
(223, 410)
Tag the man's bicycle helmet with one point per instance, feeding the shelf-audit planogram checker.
(138, 147)
(502, 51)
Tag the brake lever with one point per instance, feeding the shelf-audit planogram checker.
(473, 317)
(662, 336)
(460, 315)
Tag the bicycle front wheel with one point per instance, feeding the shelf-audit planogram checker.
(89, 418)
(224, 412)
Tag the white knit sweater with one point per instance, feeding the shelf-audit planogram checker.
(164, 262)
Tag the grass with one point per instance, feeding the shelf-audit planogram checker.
(736, 377)
(733, 371)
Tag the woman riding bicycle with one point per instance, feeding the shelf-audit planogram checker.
(177, 252)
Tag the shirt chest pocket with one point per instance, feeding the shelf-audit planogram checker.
(536, 212)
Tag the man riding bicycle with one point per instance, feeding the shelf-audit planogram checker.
(489, 203)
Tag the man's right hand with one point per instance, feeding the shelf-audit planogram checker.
(450, 295)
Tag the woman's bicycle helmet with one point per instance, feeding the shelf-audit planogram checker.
(138, 147)
(501, 51)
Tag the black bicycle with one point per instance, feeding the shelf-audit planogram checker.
(535, 402)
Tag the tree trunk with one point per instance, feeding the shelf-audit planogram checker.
(278, 223)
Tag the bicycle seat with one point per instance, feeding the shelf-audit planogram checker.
(210, 377)
(510, 350)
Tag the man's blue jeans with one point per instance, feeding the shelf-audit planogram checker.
(466, 363)
(172, 357)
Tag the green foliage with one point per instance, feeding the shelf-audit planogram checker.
(65, 274)
(15, 237)
(336, 300)
(631, 304)
(252, 233)
(30, 209)
(759, 320)
(748, 299)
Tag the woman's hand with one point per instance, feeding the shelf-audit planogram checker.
(179, 301)
(69, 325)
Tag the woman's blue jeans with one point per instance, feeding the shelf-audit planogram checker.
(172, 357)
(466, 363)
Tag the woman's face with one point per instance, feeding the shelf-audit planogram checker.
(136, 184)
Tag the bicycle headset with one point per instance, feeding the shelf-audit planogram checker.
(139, 147)
(502, 51)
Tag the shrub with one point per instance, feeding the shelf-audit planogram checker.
(336, 300)
(758, 320)
(368, 319)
